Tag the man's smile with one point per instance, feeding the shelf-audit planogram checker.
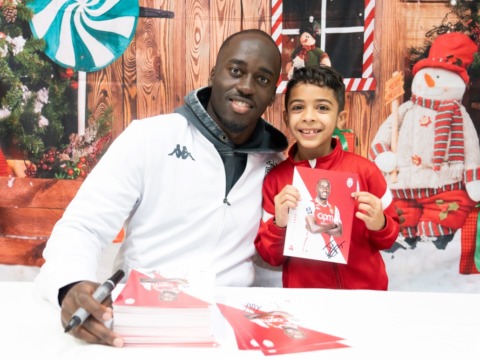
(241, 106)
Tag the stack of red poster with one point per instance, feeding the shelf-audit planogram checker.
(160, 309)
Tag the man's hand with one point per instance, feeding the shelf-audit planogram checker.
(93, 329)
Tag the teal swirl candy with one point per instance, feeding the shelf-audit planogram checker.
(85, 35)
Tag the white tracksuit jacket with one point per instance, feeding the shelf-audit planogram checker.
(175, 222)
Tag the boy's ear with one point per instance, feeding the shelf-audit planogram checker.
(285, 117)
(341, 119)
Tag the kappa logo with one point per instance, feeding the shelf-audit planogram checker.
(181, 153)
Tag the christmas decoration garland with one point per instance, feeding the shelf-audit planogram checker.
(465, 18)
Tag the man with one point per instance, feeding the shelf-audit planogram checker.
(186, 186)
(325, 218)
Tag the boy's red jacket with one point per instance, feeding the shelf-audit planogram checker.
(365, 268)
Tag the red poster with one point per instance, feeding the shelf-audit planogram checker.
(319, 228)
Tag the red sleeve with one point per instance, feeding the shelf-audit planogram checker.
(383, 239)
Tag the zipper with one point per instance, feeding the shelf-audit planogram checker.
(207, 249)
(337, 276)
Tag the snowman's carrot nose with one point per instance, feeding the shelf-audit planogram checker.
(429, 80)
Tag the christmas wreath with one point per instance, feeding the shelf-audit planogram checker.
(465, 18)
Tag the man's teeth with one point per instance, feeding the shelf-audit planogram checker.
(241, 103)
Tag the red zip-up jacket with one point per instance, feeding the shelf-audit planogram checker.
(365, 268)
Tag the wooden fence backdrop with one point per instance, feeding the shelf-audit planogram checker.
(170, 57)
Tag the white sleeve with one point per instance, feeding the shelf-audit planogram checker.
(95, 216)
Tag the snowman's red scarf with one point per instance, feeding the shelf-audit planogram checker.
(304, 51)
(448, 126)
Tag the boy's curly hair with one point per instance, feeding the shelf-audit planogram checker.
(320, 75)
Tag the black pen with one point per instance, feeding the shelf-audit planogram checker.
(100, 294)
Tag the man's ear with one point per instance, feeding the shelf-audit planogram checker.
(212, 74)
(273, 98)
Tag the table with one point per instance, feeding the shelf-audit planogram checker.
(376, 325)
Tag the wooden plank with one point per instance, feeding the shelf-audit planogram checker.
(29, 209)
(197, 43)
(256, 14)
(419, 18)
(166, 60)
(150, 52)
(106, 92)
(388, 57)
(225, 19)
(358, 107)
(115, 77)
(128, 96)
(177, 35)
(31, 223)
(18, 251)
(37, 193)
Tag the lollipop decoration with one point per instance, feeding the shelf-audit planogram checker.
(87, 35)
(84, 35)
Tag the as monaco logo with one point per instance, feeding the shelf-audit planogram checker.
(349, 182)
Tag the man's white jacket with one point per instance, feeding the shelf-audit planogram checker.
(174, 180)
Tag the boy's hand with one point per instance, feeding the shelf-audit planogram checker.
(370, 210)
(284, 200)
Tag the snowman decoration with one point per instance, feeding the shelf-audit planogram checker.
(435, 173)
(308, 53)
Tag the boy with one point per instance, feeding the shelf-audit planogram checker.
(314, 105)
